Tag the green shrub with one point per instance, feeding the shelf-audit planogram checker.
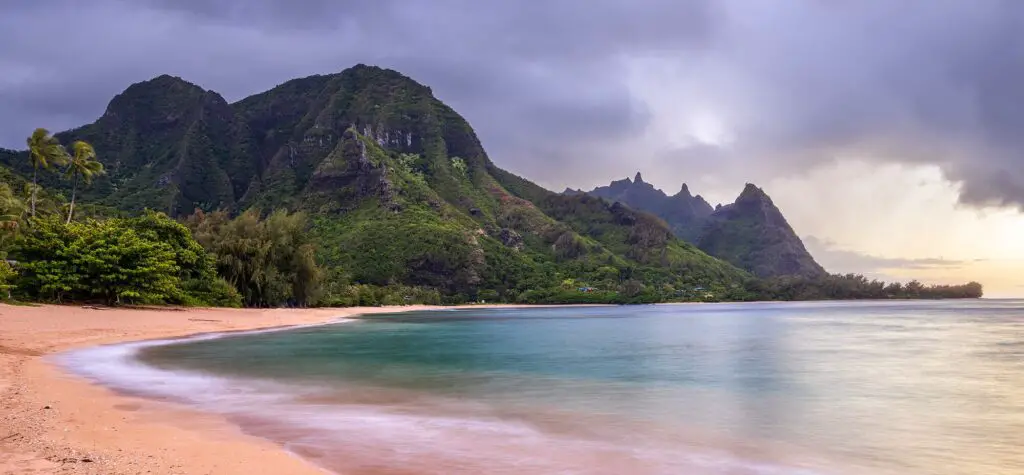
(94, 261)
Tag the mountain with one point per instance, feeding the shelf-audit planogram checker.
(684, 213)
(750, 233)
(168, 145)
(398, 186)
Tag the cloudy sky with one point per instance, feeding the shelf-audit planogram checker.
(888, 132)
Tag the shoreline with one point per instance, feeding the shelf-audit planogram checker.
(53, 421)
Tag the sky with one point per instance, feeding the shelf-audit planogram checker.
(887, 132)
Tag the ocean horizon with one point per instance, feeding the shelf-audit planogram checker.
(808, 388)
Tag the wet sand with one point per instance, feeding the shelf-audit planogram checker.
(53, 422)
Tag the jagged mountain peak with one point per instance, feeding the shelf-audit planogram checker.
(752, 233)
(681, 211)
(752, 193)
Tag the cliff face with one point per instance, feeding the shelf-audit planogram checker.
(750, 233)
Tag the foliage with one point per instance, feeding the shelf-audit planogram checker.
(82, 164)
(43, 150)
(12, 214)
(855, 286)
(459, 165)
(197, 270)
(270, 261)
(94, 260)
(7, 276)
(351, 295)
(149, 259)
(210, 293)
(412, 165)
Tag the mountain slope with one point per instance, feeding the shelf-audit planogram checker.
(399, 188)
(753, 234)
(750, 233)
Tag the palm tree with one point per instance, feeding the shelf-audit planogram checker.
(43, 149)
(83, 164)
(12, 211)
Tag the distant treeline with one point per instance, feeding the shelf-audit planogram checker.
(855, 286)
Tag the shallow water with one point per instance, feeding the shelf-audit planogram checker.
(779, 388)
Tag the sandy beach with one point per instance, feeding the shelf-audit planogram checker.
(53, 422)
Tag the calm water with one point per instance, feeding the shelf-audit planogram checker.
(794, 388)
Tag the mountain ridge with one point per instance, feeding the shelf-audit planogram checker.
(750, 233)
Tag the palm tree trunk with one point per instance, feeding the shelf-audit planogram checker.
(71, 209)
(35, 171)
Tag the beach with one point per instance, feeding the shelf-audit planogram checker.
(54, 422)
(743, 389)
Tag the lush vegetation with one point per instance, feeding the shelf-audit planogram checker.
(357, 188)
(102, 257)
(151, 259)
(270, 261)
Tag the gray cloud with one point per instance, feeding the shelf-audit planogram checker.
(552, 86)
(839, 260)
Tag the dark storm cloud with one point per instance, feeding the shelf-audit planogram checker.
(561, 90)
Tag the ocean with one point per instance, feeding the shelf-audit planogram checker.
(817, 388)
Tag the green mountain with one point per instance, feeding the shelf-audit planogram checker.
(750, 233)
(400, 190)
(167, 145)
(753, 234)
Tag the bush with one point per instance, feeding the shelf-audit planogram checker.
(94, 261)
(271, 262)
(372, 296)
(7, 276)
(147, 259)
(211, 293)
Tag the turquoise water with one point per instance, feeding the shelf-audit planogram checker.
(779, 388)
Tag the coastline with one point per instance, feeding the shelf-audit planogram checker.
(52, 421)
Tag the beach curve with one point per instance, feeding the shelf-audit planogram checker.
(56, 422)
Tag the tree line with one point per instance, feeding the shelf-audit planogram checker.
(855, 286)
